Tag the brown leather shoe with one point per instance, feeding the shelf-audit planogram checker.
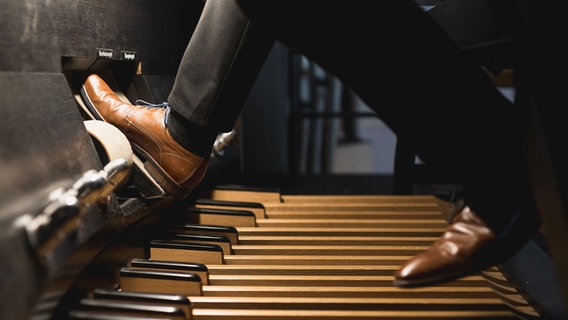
(467, 246)
(177, 170)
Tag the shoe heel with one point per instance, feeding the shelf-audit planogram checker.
(165, 181)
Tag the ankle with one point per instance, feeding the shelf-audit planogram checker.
(196, 139)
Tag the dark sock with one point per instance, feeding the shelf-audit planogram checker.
(196, 139)
(502, 206)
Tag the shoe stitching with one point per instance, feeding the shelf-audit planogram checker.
(157, 142)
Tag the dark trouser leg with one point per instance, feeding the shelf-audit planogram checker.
(443, 106)
(217, 71)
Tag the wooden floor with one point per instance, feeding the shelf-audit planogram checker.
(263, 255)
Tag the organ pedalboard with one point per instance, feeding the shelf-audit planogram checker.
(248, 253)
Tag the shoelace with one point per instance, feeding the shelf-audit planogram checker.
(164, 105)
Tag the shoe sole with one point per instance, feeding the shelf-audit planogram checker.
(94, 113)
(160, 175)
(434, 280)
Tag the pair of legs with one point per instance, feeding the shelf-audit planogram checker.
(401, 63)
